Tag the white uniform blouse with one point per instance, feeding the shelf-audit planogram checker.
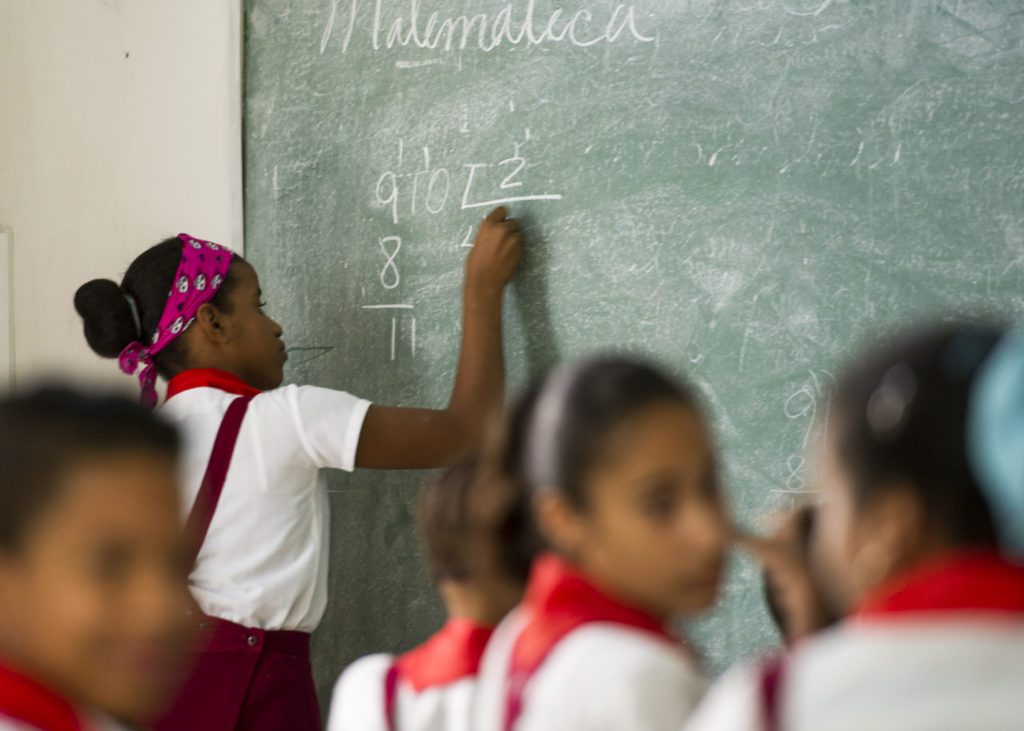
(264, 561)
(601, 676)
(944, 674)
(358, 702)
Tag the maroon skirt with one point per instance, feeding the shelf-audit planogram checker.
(246, 679)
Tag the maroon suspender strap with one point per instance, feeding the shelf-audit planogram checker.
(205, 505)
(772, 673)
(515, 686)
(390, 696)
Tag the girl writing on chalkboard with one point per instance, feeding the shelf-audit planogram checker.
(192, 312)
(920, 538)
(621, 468)
(93, 597)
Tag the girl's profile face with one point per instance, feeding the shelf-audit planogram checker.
(95, 601)
(857, 547)
(834, 544)
(654, 530)
(861, 545)
(260, 351)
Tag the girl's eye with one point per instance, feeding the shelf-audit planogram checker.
(110, 563)
(659, 504)
(709, 487)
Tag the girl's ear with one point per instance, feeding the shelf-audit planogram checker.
(895, 536)
(211, 322)
(560, 523)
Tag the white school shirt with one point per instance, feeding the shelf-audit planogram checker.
(358, 701)
(443, 700)
(949, 674)
(599, 677)
(264, 561)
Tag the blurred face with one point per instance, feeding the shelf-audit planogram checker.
(95, 600)
(257, 348)
(835, 537)
(654, 532)
(859, 547)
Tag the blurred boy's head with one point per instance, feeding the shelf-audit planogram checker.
(93, 572)
(478, 539)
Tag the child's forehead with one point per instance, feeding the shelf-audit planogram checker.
(247, 281)
(113, 485)
(639, 449)
(245, 272)
(660, 422)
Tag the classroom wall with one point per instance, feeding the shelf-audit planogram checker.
(119, 125)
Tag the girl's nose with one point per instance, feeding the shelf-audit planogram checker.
(709, 530)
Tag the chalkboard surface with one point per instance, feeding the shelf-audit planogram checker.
(740, 188)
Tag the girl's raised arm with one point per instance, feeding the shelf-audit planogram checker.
(409, 438)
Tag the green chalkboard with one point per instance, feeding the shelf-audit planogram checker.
(741, 188)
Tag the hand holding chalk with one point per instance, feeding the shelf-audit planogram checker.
(496, 254)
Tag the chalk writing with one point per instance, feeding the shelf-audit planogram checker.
(803, 405)
(430, 188)
(389, 276)
(396, 309)
(394, 25)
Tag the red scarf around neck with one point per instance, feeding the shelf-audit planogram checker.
(979, 582)
(30, 702)
(209, 378)
(450, 655)
(560, 599)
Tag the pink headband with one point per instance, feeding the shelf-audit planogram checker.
(200, 274)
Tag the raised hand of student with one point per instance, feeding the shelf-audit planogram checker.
(396, 438)
(794, 596)
(496, 254)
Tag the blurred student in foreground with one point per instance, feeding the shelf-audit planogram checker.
(621, 470)
(918, 542)
(478, 537)
(94, 623)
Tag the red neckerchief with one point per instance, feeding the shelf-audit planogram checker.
(451, 654)
(558, 600)
(25, 700)
(209, 378)
(979, 582)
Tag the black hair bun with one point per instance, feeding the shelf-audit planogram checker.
(106, 316)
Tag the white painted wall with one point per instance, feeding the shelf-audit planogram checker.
(120, 124)
(6, 319)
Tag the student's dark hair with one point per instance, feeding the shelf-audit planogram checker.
(576, 409)
(46, 432)
(107, 316)
(446, 522)
(519, 538)
(473, 500)
(899, 416)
